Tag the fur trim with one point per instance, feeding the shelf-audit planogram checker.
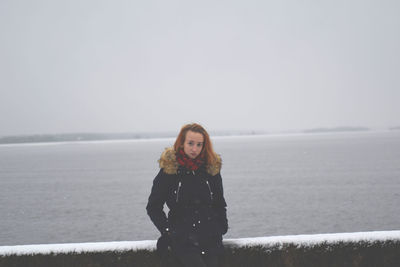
(170, 165)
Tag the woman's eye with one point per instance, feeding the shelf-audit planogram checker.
(199, 145)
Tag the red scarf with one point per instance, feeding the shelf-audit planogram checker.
(188, 163)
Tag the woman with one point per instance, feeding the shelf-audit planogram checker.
(190, 183)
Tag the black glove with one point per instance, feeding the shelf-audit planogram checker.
(164, 244)
(223, 224)
(224, 228)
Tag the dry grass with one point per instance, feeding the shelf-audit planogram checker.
(362, 254)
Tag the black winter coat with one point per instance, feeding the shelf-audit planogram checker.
(197, 208)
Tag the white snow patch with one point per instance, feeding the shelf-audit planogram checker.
(78, 247)
(315, 239)
(299, 240)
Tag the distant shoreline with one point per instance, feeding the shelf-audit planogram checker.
(336, 129)
(89, 137)
(94, 137)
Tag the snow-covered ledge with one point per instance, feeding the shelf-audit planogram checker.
(273, 241)
(77, 247)
(316, 239)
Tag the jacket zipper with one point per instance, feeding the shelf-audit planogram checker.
(209, 189)
(177, 192)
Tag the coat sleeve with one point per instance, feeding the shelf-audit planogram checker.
(220, 203)
(155, 204)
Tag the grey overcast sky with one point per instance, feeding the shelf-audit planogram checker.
(127, 66)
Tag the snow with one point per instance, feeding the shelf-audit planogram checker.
(312, 240)
(299, 240)
(77, 247)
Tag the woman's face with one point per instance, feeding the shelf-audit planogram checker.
(193, 144)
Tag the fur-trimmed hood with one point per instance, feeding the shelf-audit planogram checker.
(170, 165)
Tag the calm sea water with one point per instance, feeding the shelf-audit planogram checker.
(274, 185)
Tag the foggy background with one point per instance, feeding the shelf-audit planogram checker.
(126, 66)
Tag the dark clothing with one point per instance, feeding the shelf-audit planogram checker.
(197, 260)
(197, 213)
